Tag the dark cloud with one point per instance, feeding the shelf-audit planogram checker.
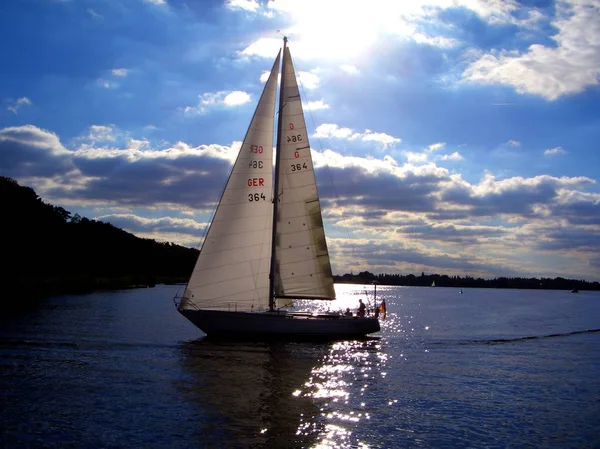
(518, 199)
(29, 151)
(385, 192)
(565, 239)
(579, 212)
(389, 254)
(454, 234)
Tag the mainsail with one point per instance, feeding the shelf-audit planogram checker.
(302, 267)
(232, 271)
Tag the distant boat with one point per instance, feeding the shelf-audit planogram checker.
(260, 254)
(575, 290)
(433, 284)
(461, 292)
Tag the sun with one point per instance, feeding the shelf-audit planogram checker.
(342, 29)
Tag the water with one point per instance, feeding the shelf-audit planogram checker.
(487, 368)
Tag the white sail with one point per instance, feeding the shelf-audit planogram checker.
(302, 262)
(232, 270)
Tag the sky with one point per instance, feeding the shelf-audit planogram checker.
(457, 137)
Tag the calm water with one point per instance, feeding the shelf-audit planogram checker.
(488, 368)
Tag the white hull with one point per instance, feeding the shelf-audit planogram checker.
(280, 325)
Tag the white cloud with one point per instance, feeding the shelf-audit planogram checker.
(350, 69)
(308, 80)
(513, 143)
(314, 105)
(554, 151)
(331, 130)
(385, 139)
(416, 158)
(215, 99)
(32, 136)
(550, 71)
(437, 41)
(265, 47)
(137, 150)
(235, 98)
(157, 2)
(435, 146)
(100, 133)
(18, 104)
(246, 5)
(120, 72)
(451, 157)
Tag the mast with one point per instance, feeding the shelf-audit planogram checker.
(276, 181)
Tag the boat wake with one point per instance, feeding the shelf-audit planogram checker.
(539, 337)
(498, 341)
(532, 337)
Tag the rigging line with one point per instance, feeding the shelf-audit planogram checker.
(335, 192)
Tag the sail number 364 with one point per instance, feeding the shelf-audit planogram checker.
(256, 197)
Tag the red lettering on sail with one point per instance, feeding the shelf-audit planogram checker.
(256, 182)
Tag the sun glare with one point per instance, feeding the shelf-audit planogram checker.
(342, 29)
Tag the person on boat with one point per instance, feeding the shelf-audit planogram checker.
(361, 308)
(348, 312)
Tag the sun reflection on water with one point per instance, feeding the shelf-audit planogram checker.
(349, 385)
(340, 384)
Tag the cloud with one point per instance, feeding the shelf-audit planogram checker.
(554, 151)
(397, 206)
(236, 98)
(265, 47)
(435, 147)
(157, 2)
(27, 151)
(437, 41)
(308, 80)
(101, 133)
(94, 14)
(350, 69)
(18, 104)
(513, 143)
(318, 27)
(137, 224)
(246, 5)
(451, 157)
(216, 99)
(385, 139)
(550, 72)
(314, 105)
(120, 72)
(416, 158)
(516, 196)
(107, 84)
(331, 130)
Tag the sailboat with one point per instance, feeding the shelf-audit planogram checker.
(266, 247)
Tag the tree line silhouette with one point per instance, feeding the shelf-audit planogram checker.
(46, 250)
(426, 280)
